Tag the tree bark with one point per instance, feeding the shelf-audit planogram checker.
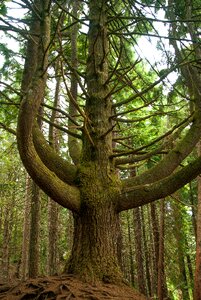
(162, 286)
(94, 253)
(52, 236)
(73, 143)
(193, 207)
(26, 229)
(181, 251)
(197, 280)
(5, 246)
(146, 254)
(33, 264)
(131, 254)
(155, 232)
(139, 251)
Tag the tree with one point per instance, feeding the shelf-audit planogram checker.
(112, 83)
(197, 281)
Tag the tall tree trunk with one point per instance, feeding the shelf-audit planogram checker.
(26, 230)
(139, 250)
(52, 266)
(193, 207)
(34, 232)
(181, 242)
(155, 254)
(197, 281)
(5, 246)
(131, 254)
(53, 208)
(73, 144)
(189, 266)
(162, 286)
(146, 254)
(94, 254)
(69, 231)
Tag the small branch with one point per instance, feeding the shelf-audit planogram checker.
(8, 129)
(78, 136)
(189, 118)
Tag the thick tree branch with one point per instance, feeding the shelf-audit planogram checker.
(59, 191)
(172, 160)
(61, 167)
(144, 194)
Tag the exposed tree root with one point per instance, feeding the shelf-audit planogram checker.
(66, 287)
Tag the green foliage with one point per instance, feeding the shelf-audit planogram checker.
(3, 9)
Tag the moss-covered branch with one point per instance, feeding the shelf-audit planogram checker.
(61, 167)
(172, 160)
(33, 88)
(144, 194)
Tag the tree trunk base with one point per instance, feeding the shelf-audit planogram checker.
(68, 287)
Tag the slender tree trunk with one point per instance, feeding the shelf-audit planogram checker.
(189, 266)
(146, 253)
(193, 205)
(53, 208)
(162, 286)
(73, 144)
(26, 230)
(131, 254)
(155, 254)
(119, 243)
(1, 220)
(197, 280)
(139, 250)
(5, 246)
(180, 239)
(52, 236)
(69, 231)
(34, 232)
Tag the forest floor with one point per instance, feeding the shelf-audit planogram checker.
(66, 287)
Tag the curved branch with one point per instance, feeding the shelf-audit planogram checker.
(34, 89)
(124, 153)
(161, 149)
(144, 194)
(62, 193)
(172, 160)
(55, 163)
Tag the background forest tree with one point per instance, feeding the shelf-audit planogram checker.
(101, 130)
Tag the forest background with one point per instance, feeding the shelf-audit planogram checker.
(157, 240)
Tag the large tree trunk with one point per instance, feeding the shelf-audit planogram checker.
(94, 253)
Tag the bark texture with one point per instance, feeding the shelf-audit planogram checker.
(197, 281)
